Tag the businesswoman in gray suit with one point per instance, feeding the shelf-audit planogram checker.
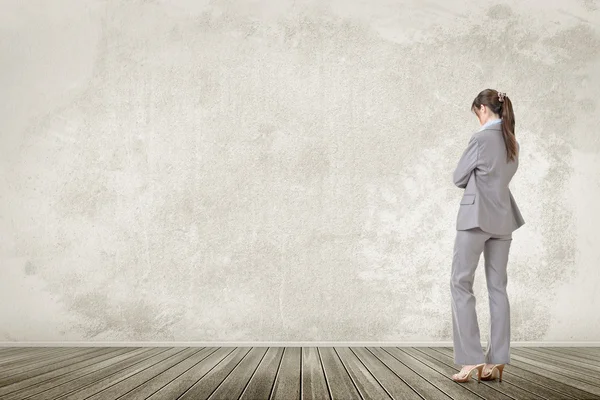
(487, 216)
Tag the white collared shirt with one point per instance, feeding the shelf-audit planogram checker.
(490, 122)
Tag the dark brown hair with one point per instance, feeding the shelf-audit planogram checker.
(504, 109)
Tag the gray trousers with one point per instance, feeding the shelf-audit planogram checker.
(468, 246)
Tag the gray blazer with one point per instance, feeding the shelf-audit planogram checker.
(483, 172)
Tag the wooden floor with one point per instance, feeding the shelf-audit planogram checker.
(288, 373)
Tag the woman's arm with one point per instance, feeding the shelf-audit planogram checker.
(467, 163)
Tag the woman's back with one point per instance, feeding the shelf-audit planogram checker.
(487, 202)
(495, 170)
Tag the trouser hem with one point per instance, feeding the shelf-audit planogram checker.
(470, 363)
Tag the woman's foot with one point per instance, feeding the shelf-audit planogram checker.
(465, 373)
(488, 371)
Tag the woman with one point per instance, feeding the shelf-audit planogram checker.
(487, 216)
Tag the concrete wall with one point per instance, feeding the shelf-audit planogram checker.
(281, 170)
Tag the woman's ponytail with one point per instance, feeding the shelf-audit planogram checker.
(500, 104)
(508, 128)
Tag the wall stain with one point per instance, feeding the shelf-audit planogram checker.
(30, 268)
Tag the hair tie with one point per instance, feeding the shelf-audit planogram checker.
(501, 96)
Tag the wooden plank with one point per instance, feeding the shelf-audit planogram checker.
(88, 386)
(395, 386)
(313, 384)
(158, 382)
(9, 351)
(30, 355)
(4, 349)
(518, 361)
(39, 383)
(566, 358)
(262, 381)
(20, 365)
(287, 380)
(442, 381)
(566, 352)
(367, 385)
(233, 386)
(186, 380)
(550, 379)
(418, 383)
(568, 371)
(445, 366)
(211, 380)
(340, 383)
(139, 378)
(237, 381)
(29, 371)
(95, 373)
(117, 377)
(595, 351)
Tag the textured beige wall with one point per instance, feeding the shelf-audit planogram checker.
(281, 170)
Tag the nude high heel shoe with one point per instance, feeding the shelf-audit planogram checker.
(461, 377)
(491, 376)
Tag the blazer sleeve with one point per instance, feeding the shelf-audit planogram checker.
(467, 163)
